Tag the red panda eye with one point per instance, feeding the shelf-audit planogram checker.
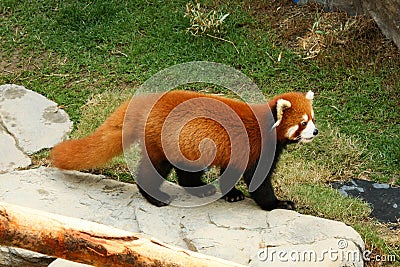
(304, 123)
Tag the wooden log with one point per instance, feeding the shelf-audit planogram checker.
(91, 243)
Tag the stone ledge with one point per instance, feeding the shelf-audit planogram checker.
(232, 231)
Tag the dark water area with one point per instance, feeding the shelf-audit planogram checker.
(384, 199)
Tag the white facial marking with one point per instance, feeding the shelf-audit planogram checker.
(291, 131)
(312, 114)
(308, 133)
(305, 117)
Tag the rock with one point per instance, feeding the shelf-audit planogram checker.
(17, 257)
(386, 15)
(65, 263)
(34, 121)
(10, 156)
(239, 232)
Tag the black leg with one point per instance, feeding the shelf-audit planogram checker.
(149, 179)
(264, 195)
(193, 183)
(233, 195)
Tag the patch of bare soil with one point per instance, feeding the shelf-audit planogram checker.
(20, 61)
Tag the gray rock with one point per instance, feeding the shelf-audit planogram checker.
(34, 121)
(10, 156)
(239, 232)
(17, 257)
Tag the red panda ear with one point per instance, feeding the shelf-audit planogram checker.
(310, 95)
(281, 105)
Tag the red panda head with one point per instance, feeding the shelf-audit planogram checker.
(294, 117)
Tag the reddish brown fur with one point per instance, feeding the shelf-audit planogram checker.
(95, 149)
(106, 141)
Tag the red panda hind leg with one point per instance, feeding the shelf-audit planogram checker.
(152, 175)
(149, 180)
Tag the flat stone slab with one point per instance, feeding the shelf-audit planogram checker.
(32, 120)
(239, 232)
(11, 157)
(385, 199)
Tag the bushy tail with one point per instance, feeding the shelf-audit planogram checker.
(94, 150)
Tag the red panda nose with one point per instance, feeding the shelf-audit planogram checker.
(315, 131)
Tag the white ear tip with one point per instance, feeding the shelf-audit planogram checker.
(310, 95)
(283, 104)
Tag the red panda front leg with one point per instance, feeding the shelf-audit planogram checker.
(233, 194)
(149, 180)
(193, 183)
(264, 195)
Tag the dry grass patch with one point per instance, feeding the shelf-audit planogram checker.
(305, 171)
(332, 156)
(96, 111)
(204, 20)
(328, 29)
(306, 182)
(326, 36)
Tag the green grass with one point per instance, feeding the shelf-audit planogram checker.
(88, 55)
(72, 50)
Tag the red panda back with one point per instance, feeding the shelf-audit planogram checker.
(198, 126)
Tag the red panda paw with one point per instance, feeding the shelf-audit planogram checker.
(234, 195)
(157, 198)
(202, 191)
(285, 204)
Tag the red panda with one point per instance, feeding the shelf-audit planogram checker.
(145, 118)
